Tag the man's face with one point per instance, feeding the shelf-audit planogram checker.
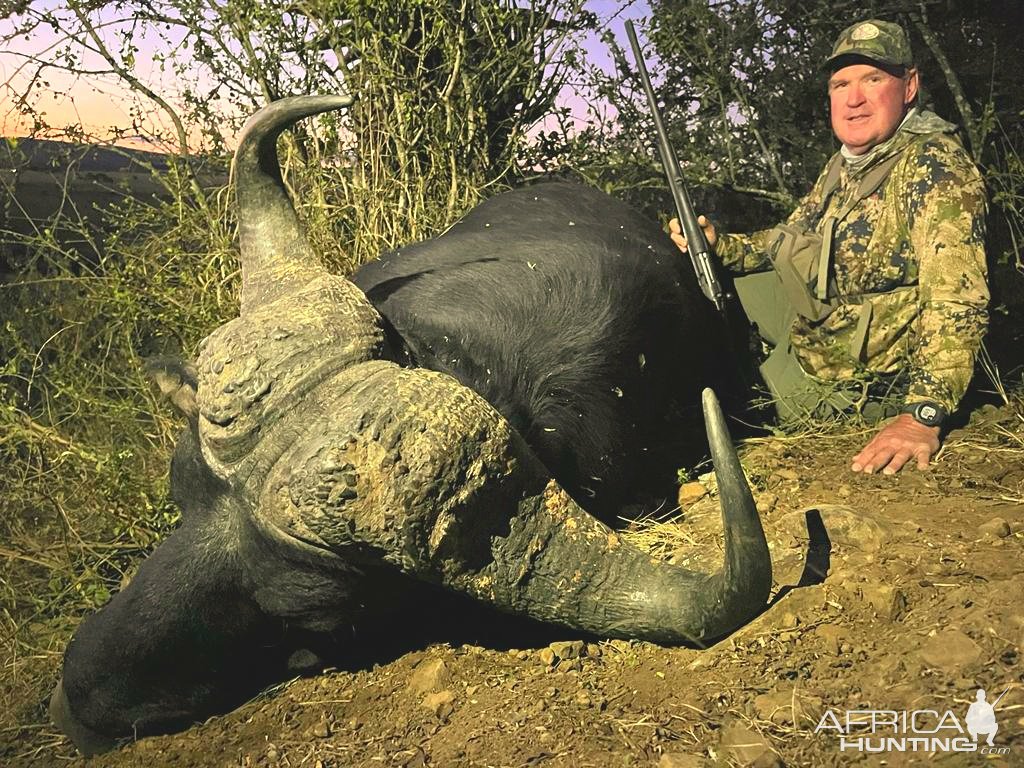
(868, 104)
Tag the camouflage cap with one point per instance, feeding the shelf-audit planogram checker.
(880, 41)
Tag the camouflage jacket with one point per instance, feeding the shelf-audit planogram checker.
(915, 249)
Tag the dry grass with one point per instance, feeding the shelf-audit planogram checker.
(669, 534)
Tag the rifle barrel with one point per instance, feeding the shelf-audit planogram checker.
(696, 243)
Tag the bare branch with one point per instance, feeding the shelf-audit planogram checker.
(973, 126)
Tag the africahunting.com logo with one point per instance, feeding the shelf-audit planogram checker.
(919, 730)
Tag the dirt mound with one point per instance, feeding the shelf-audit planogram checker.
(893, 593)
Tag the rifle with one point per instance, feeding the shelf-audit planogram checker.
(697, 244)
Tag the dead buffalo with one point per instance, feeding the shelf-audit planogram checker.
(527, 362)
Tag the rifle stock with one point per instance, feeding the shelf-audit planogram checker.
(697, 244)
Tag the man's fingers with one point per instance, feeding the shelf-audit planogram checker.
(676, 233)
(864, 461)
(870, 459)
(860, 459)
(899, 441)
(898, 460)
(923, 458)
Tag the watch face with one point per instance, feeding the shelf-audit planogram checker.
(929, 414)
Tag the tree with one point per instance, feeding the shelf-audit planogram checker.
(745, 103)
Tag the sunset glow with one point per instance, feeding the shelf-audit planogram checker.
(78, 104)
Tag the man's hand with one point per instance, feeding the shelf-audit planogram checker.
(676, 233)
(896, 443)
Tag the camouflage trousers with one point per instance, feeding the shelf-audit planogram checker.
(797, 396)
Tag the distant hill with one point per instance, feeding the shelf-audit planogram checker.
(58, 186)
(48, 155)
(44, 155)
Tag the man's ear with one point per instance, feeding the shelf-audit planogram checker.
(913, 84)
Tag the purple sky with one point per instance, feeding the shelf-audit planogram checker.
(98, 104)
(613, 16)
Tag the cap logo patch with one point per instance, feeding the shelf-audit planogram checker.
(865, 32)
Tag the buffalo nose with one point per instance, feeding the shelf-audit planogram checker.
(88, 741)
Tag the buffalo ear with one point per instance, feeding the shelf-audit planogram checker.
(177, 382)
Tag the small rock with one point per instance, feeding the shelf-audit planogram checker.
(789, 620)
(272, 754)
(593, 651)
(682, 760)
(889, 602)
(441, 703)
(322, 729)
(768, 760)
(547, 657)
(568, 649)
(743, 744)
(844, 491)
(847, 527)
(832, 635)
(787, 474)
(523, 655)
(690, 494)
(569, 665)
(766, 502)
(429, 675)
(949, 649)
(583, 699)
(775, 707)
(996, 527)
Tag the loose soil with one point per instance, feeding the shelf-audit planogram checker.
(892, 593)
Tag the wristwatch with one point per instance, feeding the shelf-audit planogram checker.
(929, 413)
